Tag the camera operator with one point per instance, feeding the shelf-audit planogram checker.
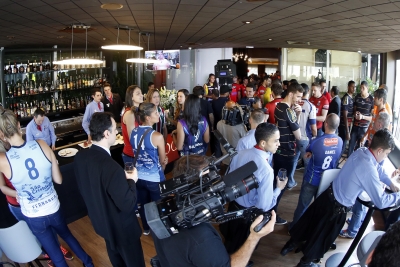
(231, 126)
(265, 196)
(201, 245)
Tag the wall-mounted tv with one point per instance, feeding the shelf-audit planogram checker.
(166, 59)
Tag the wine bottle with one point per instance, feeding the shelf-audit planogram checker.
(23, 89)
(34, 67)
(41, 65)
(40, 88)
(28, 67)
(9, 70)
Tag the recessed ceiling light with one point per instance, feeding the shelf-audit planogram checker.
(379, 39)
(246, 22)
(112, 6)
(249, 46)
(269, 39)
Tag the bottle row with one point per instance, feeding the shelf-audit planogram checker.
(26, 108)
(32, 67)
(38, 85)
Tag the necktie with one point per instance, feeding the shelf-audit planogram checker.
(98, 104)
(39, 128)
(111, 100)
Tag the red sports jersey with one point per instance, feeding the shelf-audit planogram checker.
(320, 104)
(271, 109)
(235, 91)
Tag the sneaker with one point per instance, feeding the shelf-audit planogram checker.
(50, 263)
(67, 255)
(146, 232)
(280, 221)
(291, 187)
(345, 234)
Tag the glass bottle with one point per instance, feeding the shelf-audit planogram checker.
(9, 70)
(15, 69)
(28, 67)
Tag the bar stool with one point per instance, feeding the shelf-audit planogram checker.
(342, 259)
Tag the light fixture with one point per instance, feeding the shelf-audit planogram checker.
(240, 55)
(246, 22)
(77, 61)
(269, 39)
(128, 47)
(142, 60)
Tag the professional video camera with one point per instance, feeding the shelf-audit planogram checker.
(190, 200)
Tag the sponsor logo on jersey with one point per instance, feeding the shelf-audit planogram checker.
(291, 115)
(330, 141)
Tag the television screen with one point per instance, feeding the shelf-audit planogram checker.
(165, 59)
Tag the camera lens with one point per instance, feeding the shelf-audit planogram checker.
(241, 188)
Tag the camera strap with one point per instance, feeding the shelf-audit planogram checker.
(140, 145)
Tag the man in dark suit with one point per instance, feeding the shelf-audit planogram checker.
(334, 106)
(109, 194)
(112, 102)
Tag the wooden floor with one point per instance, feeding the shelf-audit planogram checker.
(267, 254)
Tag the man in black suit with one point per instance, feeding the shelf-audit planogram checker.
(334, 106)
(109, 194)
(112, 102)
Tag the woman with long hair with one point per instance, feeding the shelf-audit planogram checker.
(151, 159)
(153, 96)
(32, 167)
(210, 86)
(133, 98)
(192, 131)
(180, 104)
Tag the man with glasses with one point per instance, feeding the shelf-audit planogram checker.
(91, 108)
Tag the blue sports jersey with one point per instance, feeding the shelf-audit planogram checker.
(326, 151)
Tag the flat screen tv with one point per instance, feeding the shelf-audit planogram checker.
(166, 59)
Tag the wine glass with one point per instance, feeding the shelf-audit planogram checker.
(282, 174)
(129, 167)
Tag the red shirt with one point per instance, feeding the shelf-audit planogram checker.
(320, 104)
(328, 96)
(11, 200)
(128, 150)
(242, 91)
(235, 91)
(260, 91)
(271, 109)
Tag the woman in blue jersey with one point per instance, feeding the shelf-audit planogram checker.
(192, 131)
(151, 159)
(32, 168)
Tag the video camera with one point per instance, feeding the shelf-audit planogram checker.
(190, 200)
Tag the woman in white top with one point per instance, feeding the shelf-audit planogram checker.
(32, 168)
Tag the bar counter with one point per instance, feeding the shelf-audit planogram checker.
(72, 203)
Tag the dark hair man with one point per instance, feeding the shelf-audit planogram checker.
(109, 194)
(286, 86)
(40, 127)
(361, 172)
(277, 90)
(324, 91)
(235, 92)
(243, 88)
(346, 114)
(248, 99)
(112, 102)
(334, 106)
(362, 112)
(307, 124)
(91, 108)
(321, 104)
(387, 252)
(257, 117)
(323, 153)
(264, 90)
(287, 113)
(264, 197)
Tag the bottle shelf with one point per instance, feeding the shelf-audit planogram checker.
(50, 92)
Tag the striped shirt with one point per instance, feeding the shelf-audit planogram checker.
(346, 105)
(285, 119)
(365, 107)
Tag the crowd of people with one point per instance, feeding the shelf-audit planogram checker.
(278, 125)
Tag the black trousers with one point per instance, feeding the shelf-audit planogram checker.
(130, 255)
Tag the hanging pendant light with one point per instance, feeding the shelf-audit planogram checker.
(127, 47)
(78, 61)
(142, 60)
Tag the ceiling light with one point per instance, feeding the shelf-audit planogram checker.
(249, 46)
(77, 61)
(246, 22)
(112, 6)
(269, 39)
(379, 39)
(122, 47)
(142, 60)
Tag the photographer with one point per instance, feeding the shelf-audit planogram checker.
(201, 245)
(265, 196)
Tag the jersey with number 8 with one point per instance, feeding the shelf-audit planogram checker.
(31, 177)
(326, 152)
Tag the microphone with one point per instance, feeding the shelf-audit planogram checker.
(240, 174)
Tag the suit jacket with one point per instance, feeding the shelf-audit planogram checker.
(115, 108)
(334, 106)
(110, 198)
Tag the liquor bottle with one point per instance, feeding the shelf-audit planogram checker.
(22, 112)
(15, 69)
(48, 107)
(67, 84)
(40, 88)
(28, 67)
(28, 110)
(15, 109)
(21, 68)
(31, 90)
(9, 90)
(15, 90)
(41, 65)
(34, 67)
(9, 70)
(82, 103)
(23, 92)
(18, 89)
(48, 66)
(34, 107)
(19, 111)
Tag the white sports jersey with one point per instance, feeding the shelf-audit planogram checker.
(307, 118)
(31, 177)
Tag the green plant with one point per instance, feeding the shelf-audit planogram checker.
(371, 86)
